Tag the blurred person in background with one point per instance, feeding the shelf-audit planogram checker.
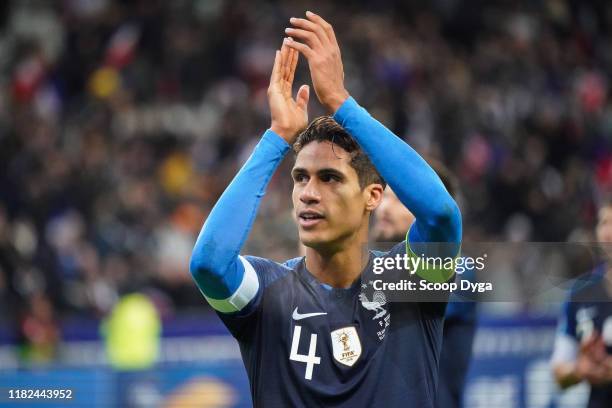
(132, 333)
(583, 345)
(9, 260)
(392, 221)
(40, 334)
(132, 337)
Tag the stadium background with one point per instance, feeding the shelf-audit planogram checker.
(122, 121)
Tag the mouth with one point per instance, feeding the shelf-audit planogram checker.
(309, 218)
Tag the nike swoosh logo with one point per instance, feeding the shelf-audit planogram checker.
(299, 316)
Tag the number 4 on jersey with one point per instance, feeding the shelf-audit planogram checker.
(311, 359)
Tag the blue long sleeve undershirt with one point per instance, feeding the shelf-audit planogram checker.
(415, 183)
(214, 262)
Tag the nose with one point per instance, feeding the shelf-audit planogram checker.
(310, 193)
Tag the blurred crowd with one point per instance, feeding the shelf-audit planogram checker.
(121, 122)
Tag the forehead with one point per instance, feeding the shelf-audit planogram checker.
(319, 155)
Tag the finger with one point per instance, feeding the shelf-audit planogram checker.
(592, 342)
(284, 72)
(306, 36)
(295, 55)
(329, 30)
(599, 349)
(587, 352)
(302, 97)
(284, 59)
(274, 78)
(288, 73)
(588, 343)
(304, 49)
(308, 25)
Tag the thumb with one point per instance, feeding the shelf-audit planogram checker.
(302, 97)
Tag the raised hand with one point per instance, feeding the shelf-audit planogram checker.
(317, 42)
(289, 116)
(591, 364)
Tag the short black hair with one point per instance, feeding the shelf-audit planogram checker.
(325, 128)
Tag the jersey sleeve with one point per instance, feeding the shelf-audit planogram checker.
(241, 316)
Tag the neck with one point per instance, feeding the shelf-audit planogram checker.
(340, 267)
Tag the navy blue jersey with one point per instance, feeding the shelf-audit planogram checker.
(588, 309)
(305, 345)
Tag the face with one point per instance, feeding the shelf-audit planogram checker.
(604, 229)
(330, 206)
(391, 219)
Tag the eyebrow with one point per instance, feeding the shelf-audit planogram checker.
(323, 171)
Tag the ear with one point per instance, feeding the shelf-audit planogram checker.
(373, 194)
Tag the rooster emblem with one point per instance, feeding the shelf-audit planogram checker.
(376, 305)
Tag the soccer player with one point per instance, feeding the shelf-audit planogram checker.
(307, 336)
(583, 345)
(391, 221)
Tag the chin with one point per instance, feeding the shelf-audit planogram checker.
(324, 241)
(312, 240)
(318, 240)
